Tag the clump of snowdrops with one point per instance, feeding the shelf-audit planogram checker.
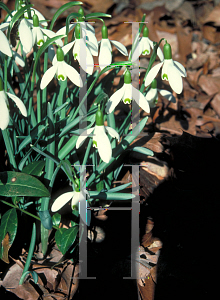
(73, 130)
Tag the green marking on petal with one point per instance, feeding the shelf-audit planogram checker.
(61, 77)
(75, 207)
(127, 101)
(145, 52)
(94, 143)
(75, 56)
(40, 42)
(165, 76)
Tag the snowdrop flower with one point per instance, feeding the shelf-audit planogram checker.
(76, 197)
(144, 45)
(105, 55)
(4, 45)
(4, 106)
(80, 51)
(171, 71)
(152, 94)
(126, 94)
(100, 138)
(62, 71)
(38, 33)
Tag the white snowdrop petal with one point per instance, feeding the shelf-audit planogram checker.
(61, 201)
(67, 47)
(48, 76)
(73, 75)
(175, 79)
(18, 59)
(180, 68)
(113, 133)
(83, 136)
(4, 120)
(145, 45)
(168, 95)
(121, 48)
(152, 74)
(151, 95)
(25, 35)
(19, 104)
(103, 143)
(140, 100)
(105, 55)
(4, 45)
(115, 99)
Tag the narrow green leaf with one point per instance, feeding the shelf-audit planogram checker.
(4, 6)
(119, 188)
(21, 184)
(34, 168)
(142, 150)
(8, 225)
(111, 196)
(65, 238)
(62, 9)
(97, 15)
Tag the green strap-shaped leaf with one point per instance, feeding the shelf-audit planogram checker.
(65, 238)
(21, 184)
(34, 168)
(142, 150)
(111, 196)
(8, 225)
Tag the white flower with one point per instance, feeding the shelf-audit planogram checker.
(76, 198)
(62, 71)
(4, 45)
(38, 33)
(4, 107)
(105, 54)
(126, 93)
(144, 45)
(144, 48)
(171, 71)
(152, 94)
(88, 34)
(100, 138)
(82, 54)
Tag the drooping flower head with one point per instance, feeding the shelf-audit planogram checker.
(100, 138)
(145, 45)
(126, 93)
(171, 71)
(62, 70)
(152, 94)
(105, 55)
